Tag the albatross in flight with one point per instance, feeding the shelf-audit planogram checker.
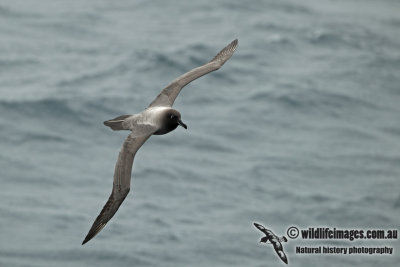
(158, 118)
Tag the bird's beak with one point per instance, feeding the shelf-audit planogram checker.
(182, 124)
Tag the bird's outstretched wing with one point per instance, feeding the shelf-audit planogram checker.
(279, 250)
(121, 184)
(168, 95)
(261, 228)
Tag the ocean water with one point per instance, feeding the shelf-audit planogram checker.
(300, 127)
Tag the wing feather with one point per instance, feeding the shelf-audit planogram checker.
(121, 183)
(280, 252)
(168, 95)
(261, 228)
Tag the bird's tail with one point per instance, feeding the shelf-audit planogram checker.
(117, 123)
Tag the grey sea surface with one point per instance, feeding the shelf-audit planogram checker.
(301, 127)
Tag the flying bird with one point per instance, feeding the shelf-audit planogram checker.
(274, 240)
(157, 119)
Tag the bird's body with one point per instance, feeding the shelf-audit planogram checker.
(157, 119)
(154, 120)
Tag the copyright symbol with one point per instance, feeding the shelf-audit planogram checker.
(292, 232)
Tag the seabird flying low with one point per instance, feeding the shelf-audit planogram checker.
(157, 119)
(271, 238)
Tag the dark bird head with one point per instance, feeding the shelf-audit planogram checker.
(174, 119)
(265, 239)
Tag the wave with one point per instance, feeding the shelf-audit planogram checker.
(6, 64)
(45, 108)
(68, 255)
(346, 35)
(70, 109)
(397, 203)
(287, 8)
(81, 26)
(10, 13)
(330, 102)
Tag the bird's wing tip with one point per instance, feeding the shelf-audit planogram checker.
(226, 52)
(87, 239)
(233, 45)
(83, 242)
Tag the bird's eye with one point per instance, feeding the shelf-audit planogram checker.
(172, 116)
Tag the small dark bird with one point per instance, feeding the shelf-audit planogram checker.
(157, 119)
(274, 240)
